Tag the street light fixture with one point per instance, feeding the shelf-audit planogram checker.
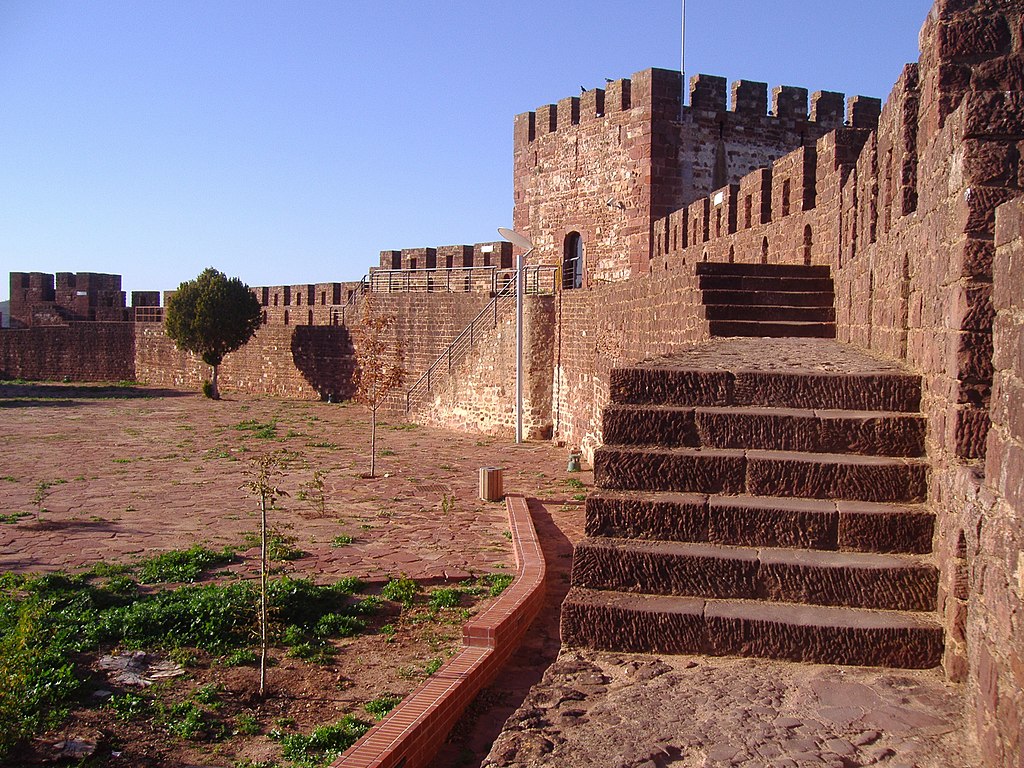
(527, 245)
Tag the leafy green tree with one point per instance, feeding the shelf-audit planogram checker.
(211, 316)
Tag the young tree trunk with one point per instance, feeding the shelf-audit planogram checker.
(215, 391)
(373, 440)
(263, 593)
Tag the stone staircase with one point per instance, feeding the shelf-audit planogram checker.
(778, 300)
(760, 497)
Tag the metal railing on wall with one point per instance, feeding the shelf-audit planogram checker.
(537, 281)
(149, 314)
(493, 280)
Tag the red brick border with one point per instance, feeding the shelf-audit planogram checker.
(411, 735)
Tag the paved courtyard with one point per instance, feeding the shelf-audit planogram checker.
(122, 472)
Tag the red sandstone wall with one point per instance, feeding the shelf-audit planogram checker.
(996, 621)
(297, 362)
(610, 163)
(480, 395)
(611, 326)
(89, 351)
(313, 361)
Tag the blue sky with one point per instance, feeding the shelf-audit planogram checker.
(290, 142)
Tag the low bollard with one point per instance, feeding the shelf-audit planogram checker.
(491, 485)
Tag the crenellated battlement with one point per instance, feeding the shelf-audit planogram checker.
(655, 94)
(763, 200)
(497, 253)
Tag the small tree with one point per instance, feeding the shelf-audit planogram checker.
(380, 368)
(261, 485)
(211, 316)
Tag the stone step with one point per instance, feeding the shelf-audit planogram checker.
(786, 429)
(687, 470)
(785, 270)
(836, 476)
(761, 521)
(851, 579)
(769, 313)
(773, 330)
(877, 433)
(769, 298)
(669, 385)
(747, 282)
(622, 622)
(761, 473)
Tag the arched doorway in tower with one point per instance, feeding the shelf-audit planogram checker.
(572, 261)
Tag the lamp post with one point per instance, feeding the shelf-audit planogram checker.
(522, 242)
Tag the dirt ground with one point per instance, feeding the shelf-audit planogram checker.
(113, 474)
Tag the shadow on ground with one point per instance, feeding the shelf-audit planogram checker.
(473, 735)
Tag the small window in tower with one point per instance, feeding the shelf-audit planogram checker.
(572, 261)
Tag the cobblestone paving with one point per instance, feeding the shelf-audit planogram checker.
(638, 711)
(786, 355)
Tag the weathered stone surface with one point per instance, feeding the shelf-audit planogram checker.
(664, 386)
(866, 527)
(758, 521)
(685, 470)
(762, 270)
(671, 517)
(833, 476)
(649, 425)
(872, 433)
(665, 568)
(762, 312)
(888, 392)
(641, 623)
(768, 298)
(973, 35)
(754, 282)
(994, 114)
(824, 635)
(775, 329)
(895, 582)
(823, 431)
(655, 624)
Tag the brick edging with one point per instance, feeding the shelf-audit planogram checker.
(413, 732)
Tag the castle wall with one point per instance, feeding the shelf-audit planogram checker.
(480, 394)
(610, 163)
(81, 351)
(996, 624)
(611, 326)
(301, 362)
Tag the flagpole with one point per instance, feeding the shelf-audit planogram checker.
(682, 61)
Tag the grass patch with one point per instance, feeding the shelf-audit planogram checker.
(280, 546)
(13, 517)
(263, 430)
(46, 621)
(324, 743)
(401, 590)
(182, 565)
(341, 541)
(382, 705)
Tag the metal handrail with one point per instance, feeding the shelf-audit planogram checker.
(539, 280)
(455, 351)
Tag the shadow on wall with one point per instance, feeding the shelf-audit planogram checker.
(326, 358)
